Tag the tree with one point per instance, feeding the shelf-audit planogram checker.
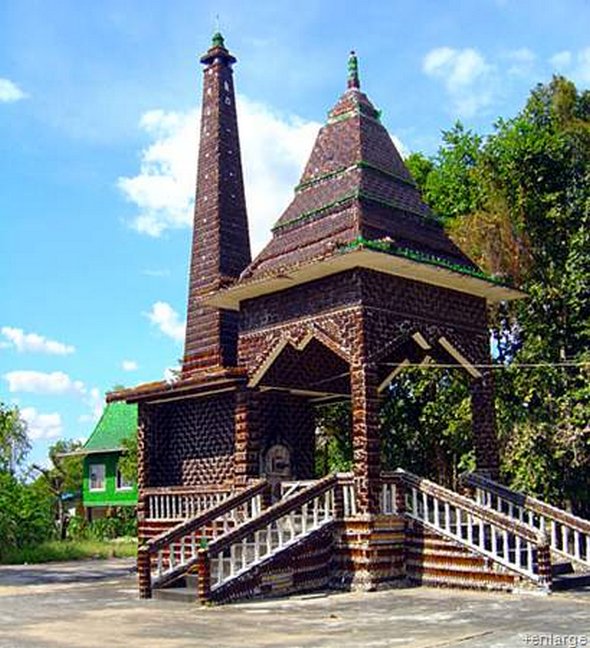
(26, 515)
(14, 442)
(64, 477)
(523, 211)
(128, 460)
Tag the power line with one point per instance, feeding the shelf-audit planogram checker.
(523, 365)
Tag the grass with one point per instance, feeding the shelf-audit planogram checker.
(56, 550)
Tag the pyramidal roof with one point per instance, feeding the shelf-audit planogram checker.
(355, 188)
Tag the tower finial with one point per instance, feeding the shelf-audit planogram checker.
(353, 71)
(217, 40)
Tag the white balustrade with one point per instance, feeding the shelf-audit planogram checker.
(349, 499)
(271, 537)
(465, 521)
(174, 550)
(180, 506)
(567, 534)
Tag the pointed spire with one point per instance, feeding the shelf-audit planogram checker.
(353, 71)
(221, 248)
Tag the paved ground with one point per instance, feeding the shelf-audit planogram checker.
(95, 604)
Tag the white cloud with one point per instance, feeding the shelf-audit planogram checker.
(167, 320)
(9, 91)
(575, 65)
(33, 342)
(467, 77)
(129, 365)
(521, 61)
(274, 149)
(561, 59)
(42, 426)
(37, 382)
(96, 403)
(582, 71)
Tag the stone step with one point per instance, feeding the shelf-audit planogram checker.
(562, 567)
(576, 580)
(177, 594)
(191, 581)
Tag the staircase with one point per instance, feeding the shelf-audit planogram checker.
(243, 546)
(567, 535)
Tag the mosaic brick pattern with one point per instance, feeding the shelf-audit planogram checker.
(354, 184)
(192, 442)
(220, 247)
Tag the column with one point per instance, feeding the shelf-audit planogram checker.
(365, 435)
(247, 437)
(483, 416)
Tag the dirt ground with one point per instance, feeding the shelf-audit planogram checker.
(94, 603)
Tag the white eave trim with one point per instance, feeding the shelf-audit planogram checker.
(231, 297)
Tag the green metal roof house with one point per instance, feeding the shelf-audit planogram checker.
(103, 484)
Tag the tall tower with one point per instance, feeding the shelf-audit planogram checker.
(220, 246)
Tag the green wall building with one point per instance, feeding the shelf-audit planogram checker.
(103, 485)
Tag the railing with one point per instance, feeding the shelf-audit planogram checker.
(568, 535)
(169, 555)
(180, 503)
(277, 528)
(345, 480)
(489, 533)
(290, 488)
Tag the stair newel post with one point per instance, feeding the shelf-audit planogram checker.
(339, 500)
(204, 572)
(400, 496)
(266, 496)
(144, 575)
(544, 561)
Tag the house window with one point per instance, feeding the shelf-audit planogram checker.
(122, 483)
(97, 474)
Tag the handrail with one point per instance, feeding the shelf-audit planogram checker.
(180, 502)
(569, 534)
(197, 489)
(278, 527)
(490, 533)
(184, 528)
(273, 513)
(184, 538)
(467, 504)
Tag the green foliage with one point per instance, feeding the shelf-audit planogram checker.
(333, 441)
(426, 425)
(128, 459)
(522, 209)
(59, 550)
(62, 478)
(120, 522)
(14, 443)
(450, 182)
(26, 515)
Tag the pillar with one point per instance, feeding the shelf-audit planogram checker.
(483, 416)
(365, 435)
(247, 437)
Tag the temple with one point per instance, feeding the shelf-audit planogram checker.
(357, 282)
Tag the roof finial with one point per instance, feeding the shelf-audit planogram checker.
(217, 40)
(353, 71)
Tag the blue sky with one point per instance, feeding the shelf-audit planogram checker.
(98, 121)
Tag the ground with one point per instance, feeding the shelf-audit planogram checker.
(94, 603)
